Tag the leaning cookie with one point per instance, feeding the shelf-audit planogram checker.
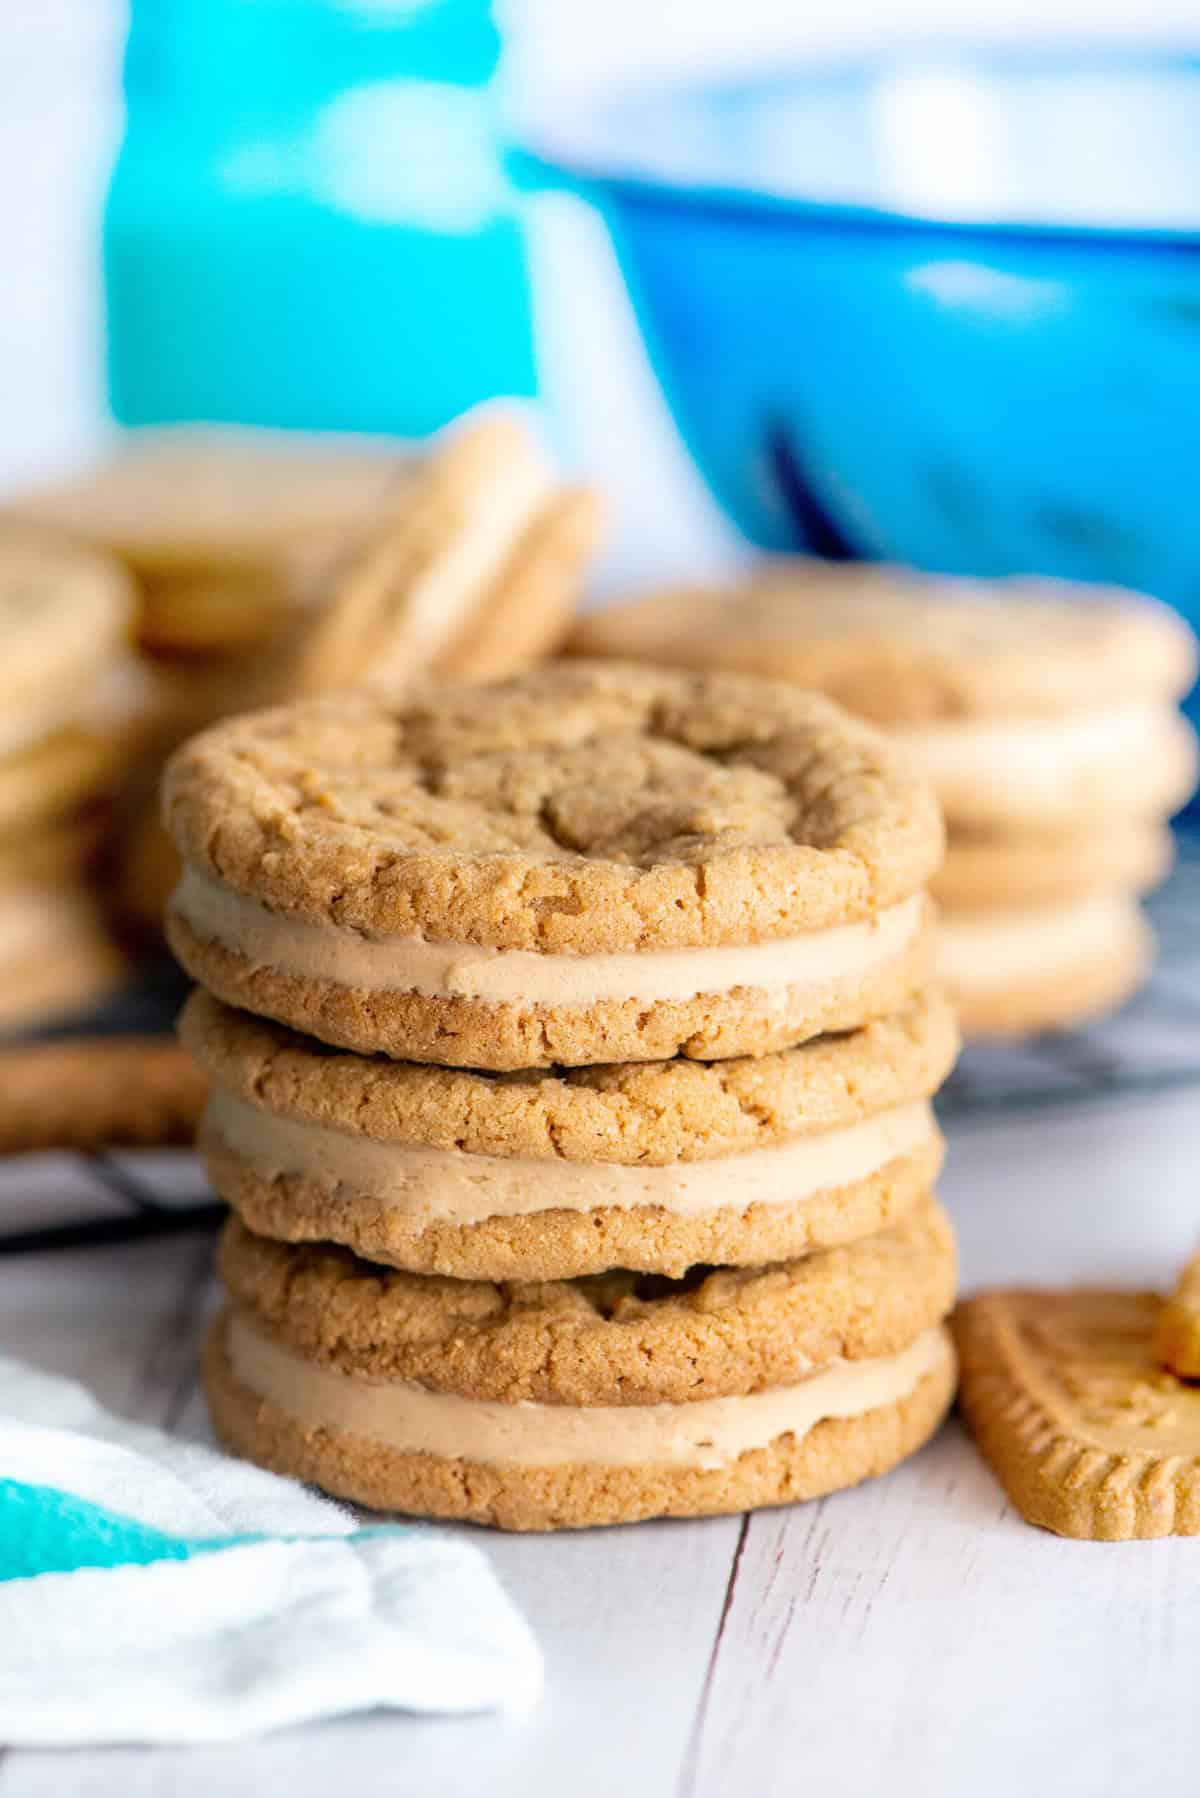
(604, 1400)
(592, 863)
(539, 1176)
(1087, 1434)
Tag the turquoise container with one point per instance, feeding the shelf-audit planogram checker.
(309, 224)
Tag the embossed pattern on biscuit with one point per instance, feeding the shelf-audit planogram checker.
(1087, 1434)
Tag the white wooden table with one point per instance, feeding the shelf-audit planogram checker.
(912, 1637)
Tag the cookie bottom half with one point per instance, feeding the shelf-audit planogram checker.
(563, 1244)
(836, 1452)
(502, 1036)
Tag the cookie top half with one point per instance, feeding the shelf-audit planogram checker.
(901, 648)
(585, 807)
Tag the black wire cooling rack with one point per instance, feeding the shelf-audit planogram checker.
(72, 1201)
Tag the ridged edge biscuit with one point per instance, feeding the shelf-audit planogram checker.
(1050, 1383)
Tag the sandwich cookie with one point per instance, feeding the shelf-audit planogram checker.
(603, 1400)
(592, 863)
(1027, 703)
(1087, 1434)
(541, 1176)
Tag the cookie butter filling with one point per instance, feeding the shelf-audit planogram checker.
(706, 1433)
(413, 964)
(449, 1186)
(983, 951)
(1027, 764)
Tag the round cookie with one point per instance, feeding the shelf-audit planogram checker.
(604, 1400)
(988, 871)
(542, 1176)
(1026, 702)
(1013, 972)
(592, 863)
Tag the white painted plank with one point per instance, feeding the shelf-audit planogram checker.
(913, 1635)
(917, 1637)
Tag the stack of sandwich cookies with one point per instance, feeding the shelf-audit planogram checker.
(67, 733)
(1045, 718)
(596, 863)
(576, 1105)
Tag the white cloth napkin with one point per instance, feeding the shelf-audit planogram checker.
(155, 1591)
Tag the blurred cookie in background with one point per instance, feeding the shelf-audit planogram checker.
(469, 564)
(74, 709)
(1044, 714)
(221, 529)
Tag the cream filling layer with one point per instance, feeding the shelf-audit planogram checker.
(707, 1433)
(1029, 765)
(412, 964)
(979, 952)
(449, 1186)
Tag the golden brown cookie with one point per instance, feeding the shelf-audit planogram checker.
(1087, 1434)
(1013, 972)
(592, 863)
(1026, 703)
(98, 1092)
(650, 1166)
(591, 1401)
(1177, 1337)
(989, 870)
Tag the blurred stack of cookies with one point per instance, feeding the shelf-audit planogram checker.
(572, 1048)
(272, 563)
(1045, 717)
(71, 718)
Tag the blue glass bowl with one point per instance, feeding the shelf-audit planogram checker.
(942, 308)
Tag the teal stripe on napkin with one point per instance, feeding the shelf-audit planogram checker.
(43, 1530)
